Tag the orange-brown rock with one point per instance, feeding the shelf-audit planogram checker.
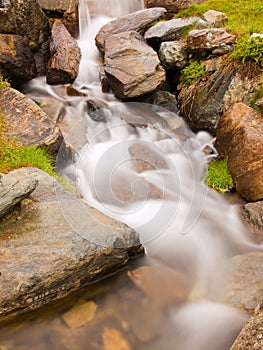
(63, 65)
(240, 138)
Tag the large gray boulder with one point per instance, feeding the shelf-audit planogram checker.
(240, 138)
(173, 55)
(16, 59)
(168, 30)
(132, 67)
(136, 21)
(14, 187)
(58, 246)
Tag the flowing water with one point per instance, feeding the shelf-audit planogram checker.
(140, 164)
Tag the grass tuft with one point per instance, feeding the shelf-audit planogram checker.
(192, 72)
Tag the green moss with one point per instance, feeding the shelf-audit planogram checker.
(256, 97)
(218, 176)
(192, 72)
(244, 16)
(3, 83)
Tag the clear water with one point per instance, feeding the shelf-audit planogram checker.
(141, 164)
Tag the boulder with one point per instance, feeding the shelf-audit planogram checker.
(171, 5)
(29, 21)
(14, 187)
(59, 245)
(38, 129)
(213, 40)
(136, 21)
(63, 65)
(239, 136)
(132, 67)
(173, 55)
(215, 18)
(59, 5)
(168, 30)
(16, 59)
(243, 284)
(251, 337)
(253, 213)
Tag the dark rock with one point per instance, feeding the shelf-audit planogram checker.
(96, 110)
(29, 21)
(65, 58)
(136, 21)
(16, 59)
(38, 129)
(202, 103)
(240, 137)
(173, 55)
(5, 25)
(168, 30)
(132, 67)
(59, 245)
(14, 187)
(41, 57)
(251, 336)
(171, 5)
(214, 40)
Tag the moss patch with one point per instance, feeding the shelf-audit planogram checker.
(192, 72)
(218, 176)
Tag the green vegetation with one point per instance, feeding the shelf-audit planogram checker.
(218, 176)
(3, 83)
(249, 48)
(192, 72)
(244, 16)
(12, 156)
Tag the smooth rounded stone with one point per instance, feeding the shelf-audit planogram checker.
(38, 129)
(80, 314)
(239, 136)
(215, 18)
(63, 66)
(244, 281)
(97, 110)
(215, 40)
(132, 67)
(251, 336)
(136, 21)
(59, 245)
(113, 339)
(173, 55)
(16, 59)
(14, 187)
(168, 30)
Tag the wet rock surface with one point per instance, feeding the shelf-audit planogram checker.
(54, 245)
(14, 187)
(63, 65)
(16, 59)
(38, 129)
(239, 136)
(251, 336)
(132, 67)
(136, 21)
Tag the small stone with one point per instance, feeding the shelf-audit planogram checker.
(80, 314)
(114, 340)
(215, 18)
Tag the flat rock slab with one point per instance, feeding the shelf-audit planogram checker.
(54, 245)
(14, 187)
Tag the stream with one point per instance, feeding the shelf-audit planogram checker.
(140, 164)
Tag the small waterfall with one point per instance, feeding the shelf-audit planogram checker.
(151, 178)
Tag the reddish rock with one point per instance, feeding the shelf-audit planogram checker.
(212, 40)
(240, 137)
(65, 58)
(132, 67)
(172, 5)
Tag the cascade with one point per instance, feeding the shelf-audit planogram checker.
(151, 178)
